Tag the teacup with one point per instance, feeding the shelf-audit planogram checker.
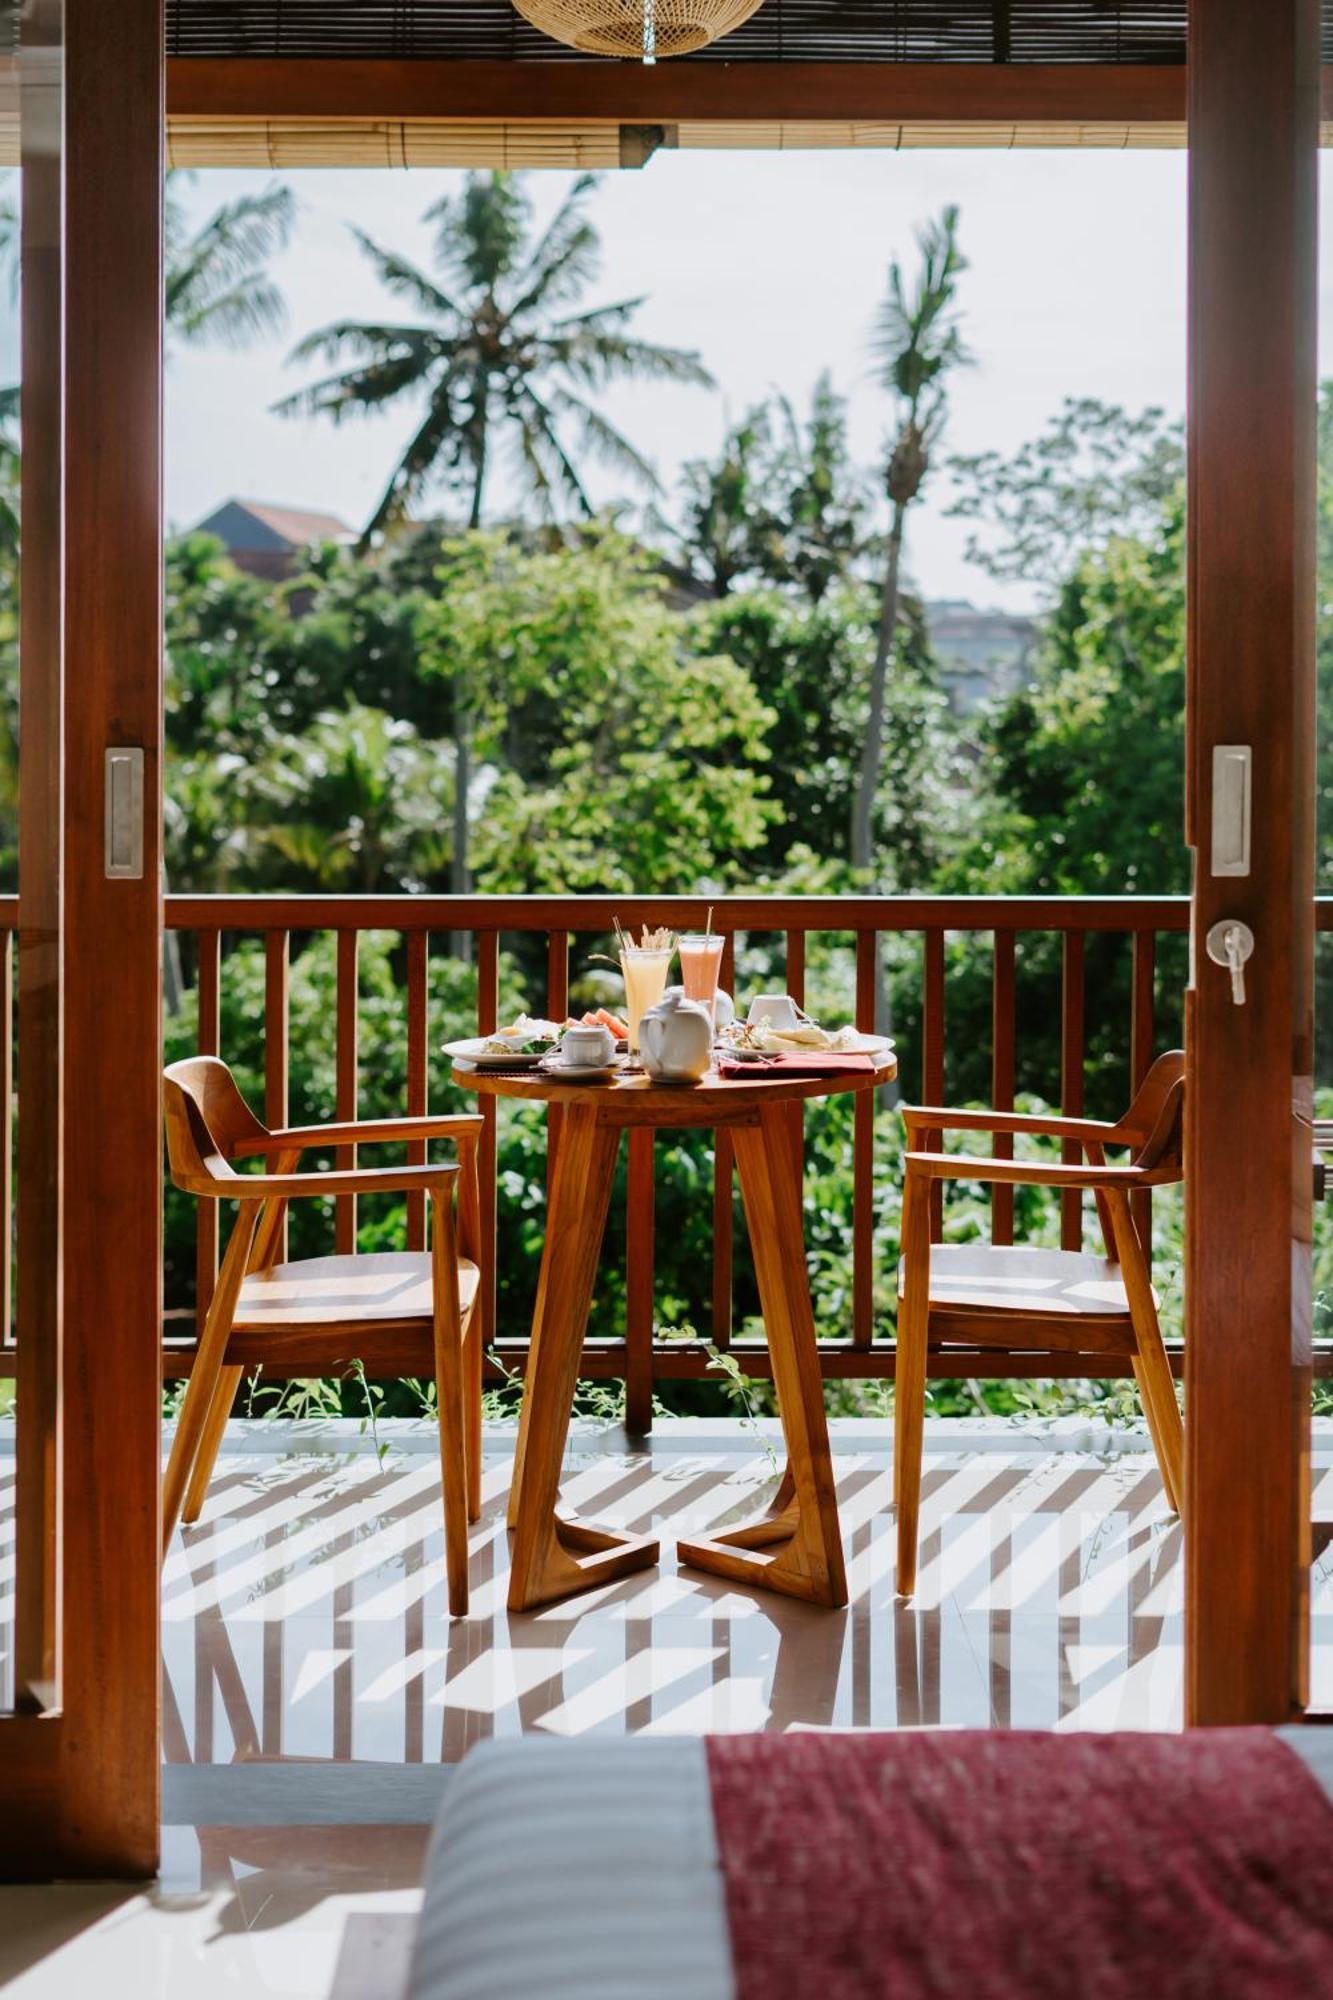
(724, 1010)
(776, 1010)
(587, 1045)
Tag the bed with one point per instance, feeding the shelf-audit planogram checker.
(841, 1865)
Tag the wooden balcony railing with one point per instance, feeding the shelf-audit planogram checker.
(930, 922)
(640, 1359)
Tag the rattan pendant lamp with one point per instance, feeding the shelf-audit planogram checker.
(643, 28)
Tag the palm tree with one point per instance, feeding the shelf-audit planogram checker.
(916, 342)
(496, 347)
(217, 282)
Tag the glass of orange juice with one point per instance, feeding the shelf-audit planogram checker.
(700, 963)
(645, 969)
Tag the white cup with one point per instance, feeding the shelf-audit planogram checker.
(724, 1010)
(776, 1010)
(587, 1046)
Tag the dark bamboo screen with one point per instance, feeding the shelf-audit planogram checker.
(974, 31)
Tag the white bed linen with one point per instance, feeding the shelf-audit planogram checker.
(575, 1871)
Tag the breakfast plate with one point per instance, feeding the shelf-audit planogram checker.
(489, 1052)
(843, 1041)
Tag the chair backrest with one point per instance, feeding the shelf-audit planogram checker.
(1153, 1126)
(207, 1118)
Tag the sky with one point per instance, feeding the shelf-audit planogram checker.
(772, 266)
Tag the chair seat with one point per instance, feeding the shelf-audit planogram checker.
(386, 1288)
(986, 1291)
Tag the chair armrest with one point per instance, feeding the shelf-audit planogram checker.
(1031, 1173)
(368, 1132)
(939, 1118)
(357, 1180)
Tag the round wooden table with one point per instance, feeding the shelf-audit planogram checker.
(796, 1547)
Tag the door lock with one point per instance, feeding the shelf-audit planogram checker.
(1229, 944)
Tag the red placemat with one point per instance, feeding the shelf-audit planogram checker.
(990, 1865)
(817, 1063)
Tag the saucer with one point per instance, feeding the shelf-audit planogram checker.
(567, 1072)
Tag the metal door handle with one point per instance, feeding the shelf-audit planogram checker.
(1229, 944)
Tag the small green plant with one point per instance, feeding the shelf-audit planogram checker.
(374, 1396)
(746, 1396)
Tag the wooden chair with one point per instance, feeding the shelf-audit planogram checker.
(989, 1295)
(396, 1313)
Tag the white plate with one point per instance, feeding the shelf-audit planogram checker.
(480, 1055)
(856, 1045)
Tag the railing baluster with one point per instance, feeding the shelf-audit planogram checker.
(932, 1059)
(796, 1111)
(639, 1286)
(488, 1019)
(1142, 1039)
(796, 966)
(209, 992)
(1071, 1080)
(724, 1160)
(276, 1027)
(557, 1009)
(1002, 1078)
(347, 1078)
(863, 1155)
(7, 1135)
(418, 1070)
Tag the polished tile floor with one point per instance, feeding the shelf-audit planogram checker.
(316, 1691)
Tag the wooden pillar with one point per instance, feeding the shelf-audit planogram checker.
(41, 762)
(113, 936)
(1253, 127)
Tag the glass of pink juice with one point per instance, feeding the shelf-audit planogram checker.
(700, 963)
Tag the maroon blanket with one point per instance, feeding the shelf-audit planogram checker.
(983, 1865)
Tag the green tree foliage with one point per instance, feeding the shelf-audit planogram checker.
(1086, 764)
(619, 757)
(809, 664)
(1095, 475)
(783, 502)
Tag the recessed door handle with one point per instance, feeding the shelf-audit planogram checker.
(123, 784)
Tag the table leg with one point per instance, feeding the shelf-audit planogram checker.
(553, 1557)
(534, 1341)
(795, 1548)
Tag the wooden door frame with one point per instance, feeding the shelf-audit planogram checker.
(1253, 189)
(84, 1773)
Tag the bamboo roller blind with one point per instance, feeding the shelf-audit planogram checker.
(451, 143)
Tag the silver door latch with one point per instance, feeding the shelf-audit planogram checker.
(1229, 944)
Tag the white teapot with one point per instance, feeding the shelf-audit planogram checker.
(676, 1039)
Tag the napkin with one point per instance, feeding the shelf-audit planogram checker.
(815, 1062)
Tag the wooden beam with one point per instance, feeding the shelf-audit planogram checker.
(951, 93)
(1253, 115)
(113, 930)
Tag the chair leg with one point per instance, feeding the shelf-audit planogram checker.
(193, 1419)
(1151, 1366)
(909, 1403)
(475, 1363)
(219, 1410)
(449, 1370)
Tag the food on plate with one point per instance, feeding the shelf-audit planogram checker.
(762, 1038)
(601, 1017)
(525, 1036)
